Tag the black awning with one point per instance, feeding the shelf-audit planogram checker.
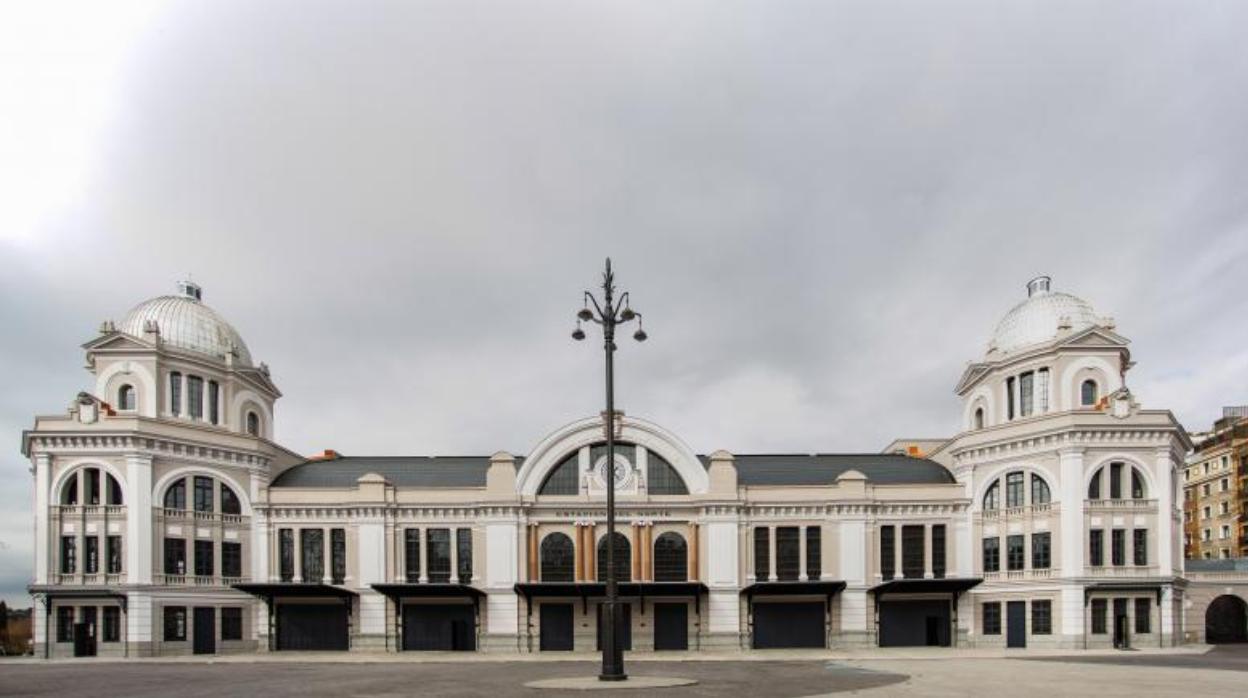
(49, 593)
(794, 588)
(925, 586)
(404, 591)
(1123, 587)
(599, 589)
(294, 589)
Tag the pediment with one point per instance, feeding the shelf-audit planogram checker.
(1095, 337)
(971, 376)
(114, 341)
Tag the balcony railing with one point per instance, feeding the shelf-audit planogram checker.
(1018, 574)
(1121, 504)
(1016, 512)
(1124, 571)
(198, 580)
(66, 511)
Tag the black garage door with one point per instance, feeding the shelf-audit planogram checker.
(439, 627)
(671, 626)
(778, 625)
(311, 627)
(914, 623)
(556, 631)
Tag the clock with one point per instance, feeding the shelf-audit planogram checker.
(621, 472)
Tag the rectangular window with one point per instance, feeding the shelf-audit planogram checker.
(214, 402)
(1009, 397)
(938, 551)
(93, 486)
(1041, 557)
(92, 554)
(69, 555)
(1115, 480)
(203, 494)
(195, 397)
(112, 624)
(1096, 547)
(992, 618)
(203, 558)
(788, 553)
(338, 555)
(814, 552)
(992, 554)
(1139, 547)
(231, 623)
(1014, 552)
(912, 558)
(64, 623)
(114, 554)
(175, 623)
(1026, 383)
(175, 556)
(286, 554)
(463, 553)
(1099, 611)
(1225, 485)
(411, 554)
(1205, 489)
(1118, 547)
(312, 557)
(762, 552)
(1014, 490)
(1042, 390)
(1041, 617)
(888, 552)
(175, 393)
(231, 559)
(439, 541)
(1143, 626)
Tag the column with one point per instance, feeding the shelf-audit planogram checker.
(927, 552)
(328, 560)
(1073, 533)
(454, 534)
(897, 574)
(260, 537)
(44, 551)
(647, 553)
(423, 537)
(591, 552)
(771, 553)
(138, 497)
(535, 559)
(801, 553)
(693, 552)
(183, 398)
(296, 544)
(502, 612)
(637, 544)
(1167, 500)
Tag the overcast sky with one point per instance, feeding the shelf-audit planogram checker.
(822, 209)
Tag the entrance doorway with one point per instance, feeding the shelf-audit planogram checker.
(671, 626)
(204, 640)
(84, 634)
(1016, 624)
(439, 627)
(1226, 620)
(557, 626)
(1122, 638)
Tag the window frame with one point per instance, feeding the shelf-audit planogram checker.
(1041, 617)
(671, 557)
(991, 554)
(555, 558)
(990, 618)
(174, 618)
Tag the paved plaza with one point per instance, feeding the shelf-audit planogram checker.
(1220, 671)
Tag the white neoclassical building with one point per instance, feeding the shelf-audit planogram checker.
(168, 521)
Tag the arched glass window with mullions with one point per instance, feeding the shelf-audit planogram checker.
(671, 558)
(1014, 490)
(1039, 490)
(253, 424)
(623, 558)
(564, 478)
(229, 501)
(661, 477)
(175, 496)
(992, 498)
(1088, 393)
(979, 418)
(557, 556)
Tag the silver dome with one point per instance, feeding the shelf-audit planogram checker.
(186, 323)
(1039, 318)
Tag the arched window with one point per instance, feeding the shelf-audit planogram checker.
(661, 477)
(1088, 393)
(979, 418)
(1137, 484)
(114, 492)
(992, 498)
(125, 397)
(69, 493)
(564, 478)
(623, 558)
(1039, 490)
(671, 558)
(557, 558)
(229, 501)
(175, 393)
(1094, 487)
(253, 424)
(175, 496)
(1014, 490)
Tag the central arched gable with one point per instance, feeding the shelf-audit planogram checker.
(586, 432)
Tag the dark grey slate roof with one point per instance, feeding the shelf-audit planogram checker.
(401, 471)
(1234, 564)
(824, 468)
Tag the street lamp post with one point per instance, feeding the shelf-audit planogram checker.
(609, 314)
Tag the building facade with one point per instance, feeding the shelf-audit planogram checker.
(1215, 490)
(168, 521)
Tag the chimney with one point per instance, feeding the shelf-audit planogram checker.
(327, 454)
(1038, 285)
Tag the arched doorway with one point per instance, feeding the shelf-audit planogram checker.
(1226, 620)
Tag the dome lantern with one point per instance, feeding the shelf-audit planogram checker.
(184, 322)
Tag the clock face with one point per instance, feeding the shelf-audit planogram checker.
(620, 472)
